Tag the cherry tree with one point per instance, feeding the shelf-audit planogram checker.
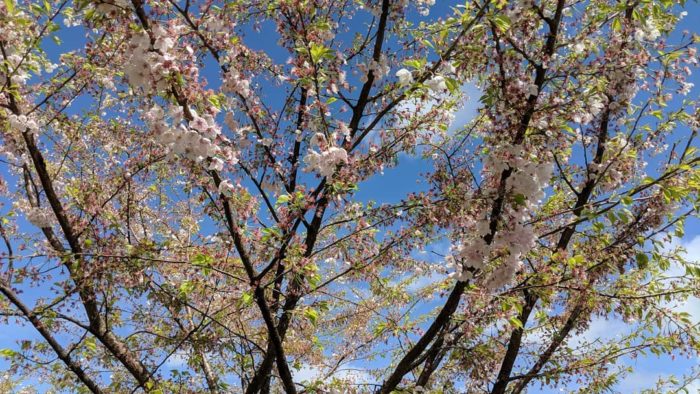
(184, 194)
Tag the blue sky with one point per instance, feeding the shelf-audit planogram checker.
(394, 183)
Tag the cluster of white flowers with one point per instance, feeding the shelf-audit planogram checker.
(40, 217)
(19, 66)
(437, 84)
(515, 238)
(468, 257)
(344, 130)
(226, 188)
(22, 123)
(647, 32)
(595, 105)
(150, 64)
(623, 86)
(107, 7)
(380, 68)
(578, 47)
(529, 179)
(325, 161)
(405, 77)
(234, 83)
(522, 164)
(685, 88)
(474, 253)
(527, 88)
(195, 142)
(503, 274)
(424, 6)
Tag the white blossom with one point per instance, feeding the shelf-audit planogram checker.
(22, 123)
(437, 84)
(326, 161)
(216, 164)
(226, 188)
(503, 274)
(40, 217)
(532, 90)
(235, 83)
(405, 77)
(685, 88)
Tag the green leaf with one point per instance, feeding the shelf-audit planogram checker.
(246, 299)
(576, 260)
(186, 287)
(215, 101)
(7, 353)
(616, 24)
(10, 5)
(202, 260)
(519, 199)
(415, 63)
(283, 199)
(515, 322)
(502, 22)
(679, 230)
(312, 315)
(319, 52)
(90, 344)
(642, 260)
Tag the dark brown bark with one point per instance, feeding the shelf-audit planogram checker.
(98, 326)
(553, 346)
(406, 363)
(515, 340)
(514, 344)
(62, 354)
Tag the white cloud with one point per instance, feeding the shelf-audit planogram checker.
(692, 304)
(348, 372)
(177, 360)
(424, 281)
(600, 329)
(638, 381)
(693, 248)
(645, 379)
(694, 387)
(462, 115)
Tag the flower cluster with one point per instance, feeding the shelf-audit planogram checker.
(379, 69)
(405, 77)
(514, 238)
(466, 258)
(112, 6)
(235, 83)
(226, 188)
(40, 217)
(647, 32)
(19, 65)
(326, 161)
(424, 6)
(150, 63)
(22, 123)
(195, 142)
(436, 84)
